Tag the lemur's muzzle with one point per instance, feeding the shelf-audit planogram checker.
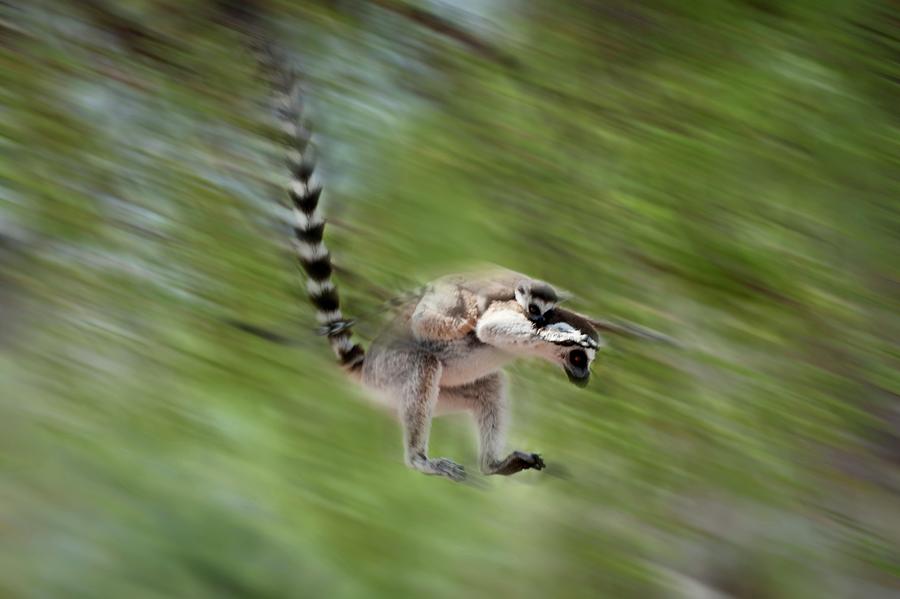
(577, 367)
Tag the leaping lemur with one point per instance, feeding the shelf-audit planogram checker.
(445, 349)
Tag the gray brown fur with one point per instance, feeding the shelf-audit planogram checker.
(445, 350)
(422, 378)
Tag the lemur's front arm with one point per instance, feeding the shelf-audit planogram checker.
(504, 326)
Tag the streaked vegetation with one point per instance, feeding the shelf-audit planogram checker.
(723, 172)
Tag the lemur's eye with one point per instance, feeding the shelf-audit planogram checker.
(578, 358)
(534, 310)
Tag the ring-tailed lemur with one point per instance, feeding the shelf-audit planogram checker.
(444, 351)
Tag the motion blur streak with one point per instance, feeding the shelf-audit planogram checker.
(723, 172)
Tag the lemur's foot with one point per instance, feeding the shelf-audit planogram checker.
(439, 467)
(516, 462)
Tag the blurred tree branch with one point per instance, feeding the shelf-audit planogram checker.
(243, 15)
(246, 15)
(130, 33)
(446, 28)
(753, 286)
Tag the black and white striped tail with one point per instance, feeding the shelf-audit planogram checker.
(309, 227)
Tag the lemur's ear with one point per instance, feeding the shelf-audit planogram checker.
(629, 329)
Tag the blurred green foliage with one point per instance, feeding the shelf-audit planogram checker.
(726, 172)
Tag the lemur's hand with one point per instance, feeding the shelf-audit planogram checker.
(564, 334)
(468, 325)
(470, 320)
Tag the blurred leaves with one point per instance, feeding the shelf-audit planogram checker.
(723, 172)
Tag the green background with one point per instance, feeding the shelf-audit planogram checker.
(725, 172)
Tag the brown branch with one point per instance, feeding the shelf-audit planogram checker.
(446, 28)
(626, 328)
(756, 287)
(130, 33)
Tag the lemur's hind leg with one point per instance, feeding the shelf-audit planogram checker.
(418, 396)
(487, 401)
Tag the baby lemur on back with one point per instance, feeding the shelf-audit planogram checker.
(445, 349)
(450, 307)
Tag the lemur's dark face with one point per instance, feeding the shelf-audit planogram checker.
(575, 355)
(578, 366)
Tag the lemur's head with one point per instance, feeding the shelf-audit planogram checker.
(538, 299)
(574, 344)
